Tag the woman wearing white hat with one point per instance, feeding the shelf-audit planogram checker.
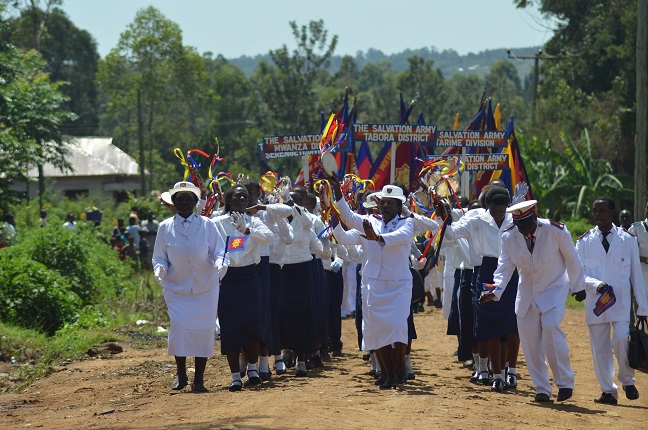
(188, 251)
(387, 241)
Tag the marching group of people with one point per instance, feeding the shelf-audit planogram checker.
(277, 272)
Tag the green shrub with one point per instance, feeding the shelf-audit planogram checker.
(33, 296)
(92, 269)
(578, 226)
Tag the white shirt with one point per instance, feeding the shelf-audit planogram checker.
(260, 235)
(299, 250)
(619, 267)
(185, 260)
(270, 216)
(547, 274)
(640, 230)
(384, 261)
(482, 230)
(282, 236)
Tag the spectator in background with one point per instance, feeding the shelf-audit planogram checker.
(135, 213)
(144, 249)
(150, 228)
(43, 218)
(116, 244)
(7, 230)
(130, 251)
(70, 223)
(134, 229)
(625, 219)
(119, 230)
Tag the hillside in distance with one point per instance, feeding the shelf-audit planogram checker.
(449, 61)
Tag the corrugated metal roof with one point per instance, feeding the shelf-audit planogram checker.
(92, 156)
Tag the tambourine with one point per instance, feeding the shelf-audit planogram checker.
(328, 164)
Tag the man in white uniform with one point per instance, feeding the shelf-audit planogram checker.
(611, 259)
(548, 266)
(640, 230)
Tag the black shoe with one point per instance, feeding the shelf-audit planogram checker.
(265, 376)
(511, 380)
(289, 360)
(631, 392)
(387, 385)
(483, 378)
(336, 353)
(372, 372)
(366, 357)
(316, 361)
(377, 374)
(429, 303)
(498, 385)
(438, 304)
(606, 399)
(411, 376)
(380, 380)
(198, 387)
(564, 394)
(542, 398)
(236, 385)
(253, 379)
(180, 383)
(401, 379)
(325, 356)
(474, 377)
(420, 307)
(301, 373)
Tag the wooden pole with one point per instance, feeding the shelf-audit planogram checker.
(641, 131)
(140, 142)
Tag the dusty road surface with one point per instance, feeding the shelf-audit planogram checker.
(131, 390)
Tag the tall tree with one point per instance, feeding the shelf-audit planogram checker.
(170, 78)
(30, 116)
(71, 55)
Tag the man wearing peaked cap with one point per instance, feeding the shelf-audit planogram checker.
(548, 266)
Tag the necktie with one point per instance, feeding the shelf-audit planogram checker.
(185, 224)
(530, 244)
(606, 244)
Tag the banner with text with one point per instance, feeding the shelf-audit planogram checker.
(295, 145)
(473, 162)
(471, 138)
(395, 133)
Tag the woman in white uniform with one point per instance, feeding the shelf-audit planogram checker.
(188, 251)
(387, 241)
(239, 305)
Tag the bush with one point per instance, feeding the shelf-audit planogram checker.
(92, 269)
(578, 226)
(33, 296)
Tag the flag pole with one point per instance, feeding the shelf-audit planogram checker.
(392, 167)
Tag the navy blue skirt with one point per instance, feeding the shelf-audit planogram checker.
(265, 325)
(276, 286)
(453, 319)
(239, 308)
(495, 318)
(296, 317)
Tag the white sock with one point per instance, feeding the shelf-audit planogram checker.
(503, 374)
(373, 361)
(301, 365)
(512, 370)
(263, 364)
(506, 365)
(475, 358)
(408, 364)
(498, 376)
(483, 365)
(377, 365)
(236, 376)
(252, 367)
(279, 364)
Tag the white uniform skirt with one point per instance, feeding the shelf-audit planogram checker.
(385, 308)
(193, 323)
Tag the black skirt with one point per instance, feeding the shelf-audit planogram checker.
(276, 287)
(296, 318)
(495, 318)
(265, 325)
(239, 308)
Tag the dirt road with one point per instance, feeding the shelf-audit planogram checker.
(131, 391)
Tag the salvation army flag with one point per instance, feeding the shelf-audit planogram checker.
(606, 300)
(236, 243)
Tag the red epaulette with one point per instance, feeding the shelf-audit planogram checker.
(377, 216)
(508, 228)
(557, 224)
(626, 231)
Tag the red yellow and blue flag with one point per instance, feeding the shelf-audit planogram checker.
(236, 243)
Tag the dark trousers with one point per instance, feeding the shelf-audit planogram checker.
(466, 316)
(336, 292)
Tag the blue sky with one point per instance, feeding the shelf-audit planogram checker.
(248, 27)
